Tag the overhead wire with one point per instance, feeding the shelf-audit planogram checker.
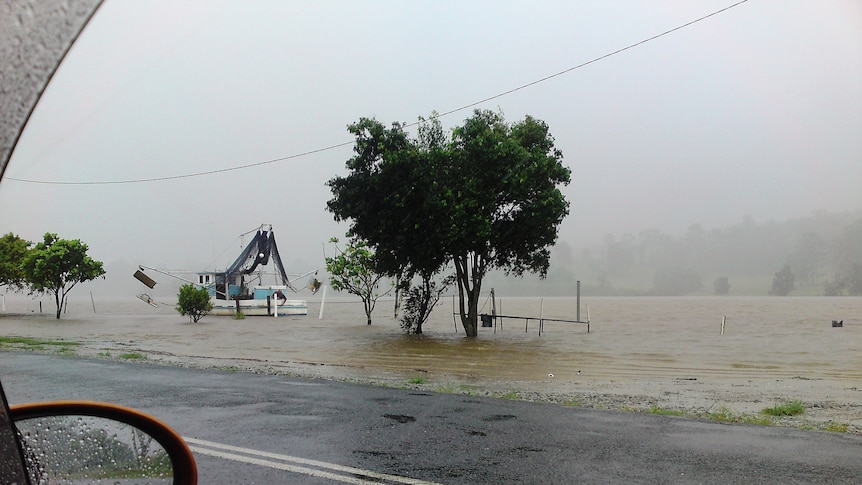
(347, 143)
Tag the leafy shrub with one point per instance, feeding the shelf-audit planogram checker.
(194, 302)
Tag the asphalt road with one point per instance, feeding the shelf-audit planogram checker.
(247, 428)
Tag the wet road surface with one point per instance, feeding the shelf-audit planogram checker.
(248, 428)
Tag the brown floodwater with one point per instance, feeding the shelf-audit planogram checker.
(629, 338)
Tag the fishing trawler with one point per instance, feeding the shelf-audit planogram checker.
(242, 288)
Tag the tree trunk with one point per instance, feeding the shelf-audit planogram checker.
(59, 303)
(469, 286)
(471, 325)
(369, 307)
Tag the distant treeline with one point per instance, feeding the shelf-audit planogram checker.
(816, 255)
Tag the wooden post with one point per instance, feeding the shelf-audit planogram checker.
(578, 314)
(541, 315)
(723, 320)
(93, 302)
(494, 309)
(454, 322)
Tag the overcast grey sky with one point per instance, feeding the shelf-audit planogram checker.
(754, 112)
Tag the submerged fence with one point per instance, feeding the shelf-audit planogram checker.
(494, 319)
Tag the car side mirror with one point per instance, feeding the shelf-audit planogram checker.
(91, 442)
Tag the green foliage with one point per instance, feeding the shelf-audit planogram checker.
(55, 266)
(792, 408)
(446, 388)
(12, 252)
(353, 270)
(467, 389)
(724, 414)
(834, 427)
(194, 302)
(63, 347)
(783, 282)
(417, 380)
(239, 316)
(727, 415)
(655, 409)
(419, 301)
(487, 197)
(133, 356)
(35, 342)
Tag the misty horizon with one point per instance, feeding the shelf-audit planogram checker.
(566, 266)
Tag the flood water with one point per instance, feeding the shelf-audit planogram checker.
(628, 339)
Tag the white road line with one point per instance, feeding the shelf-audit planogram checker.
(283, 466)
(373, 477)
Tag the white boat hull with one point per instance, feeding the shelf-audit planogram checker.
(259, 307)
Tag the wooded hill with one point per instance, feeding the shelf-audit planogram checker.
(823, 253)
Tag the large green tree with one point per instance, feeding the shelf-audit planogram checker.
(54, 266)
(12, 252)
(487, 196)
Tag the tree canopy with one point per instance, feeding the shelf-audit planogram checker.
(12, 252)
(55, 266)
(485, 197)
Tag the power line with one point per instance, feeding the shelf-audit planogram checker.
(339, 145)
(188, 175)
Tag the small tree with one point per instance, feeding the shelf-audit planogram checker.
(783, 282)
(194, 302)
(56, 265)
(12, 252)
(353, 270)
